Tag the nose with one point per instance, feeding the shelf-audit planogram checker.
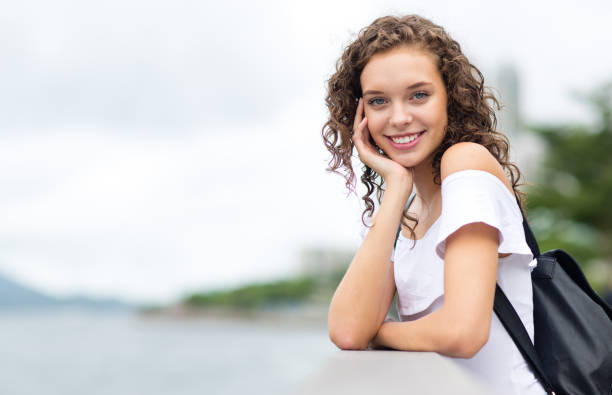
(400, 115)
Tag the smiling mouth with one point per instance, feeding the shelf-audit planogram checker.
(407, 138)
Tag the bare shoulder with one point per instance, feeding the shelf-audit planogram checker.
(471, 156)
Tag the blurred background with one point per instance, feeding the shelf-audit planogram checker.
(166, 221)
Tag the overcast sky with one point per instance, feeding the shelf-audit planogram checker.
(151, 148)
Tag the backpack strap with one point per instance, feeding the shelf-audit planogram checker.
(531, 240)
(399, 228)
(514, 326)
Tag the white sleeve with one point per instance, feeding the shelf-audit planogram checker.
(470, 196)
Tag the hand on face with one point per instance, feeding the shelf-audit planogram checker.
(388, 169)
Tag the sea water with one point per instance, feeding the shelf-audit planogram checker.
(70, 353)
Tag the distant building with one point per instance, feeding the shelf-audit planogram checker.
(509, 89)
(323, 261)
(525, 147)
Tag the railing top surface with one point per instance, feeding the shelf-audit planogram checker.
(390, 373)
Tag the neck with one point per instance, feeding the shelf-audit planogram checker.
(423, 180)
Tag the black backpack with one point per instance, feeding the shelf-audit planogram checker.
(573, 326)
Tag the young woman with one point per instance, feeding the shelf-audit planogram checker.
(416, 110)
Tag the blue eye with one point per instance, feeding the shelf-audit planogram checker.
(420, 95)
(377, 101)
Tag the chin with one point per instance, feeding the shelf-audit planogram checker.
(406, 162)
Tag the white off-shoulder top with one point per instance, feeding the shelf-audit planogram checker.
(471, 196)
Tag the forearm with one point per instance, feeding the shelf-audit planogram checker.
(436, 332)
(461, 327)
(361, 300)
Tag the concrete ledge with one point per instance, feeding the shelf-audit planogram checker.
(390, 373)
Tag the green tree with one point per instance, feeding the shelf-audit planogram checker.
(255, 296)
(570, 203)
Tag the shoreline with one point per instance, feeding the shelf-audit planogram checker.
(309, 315)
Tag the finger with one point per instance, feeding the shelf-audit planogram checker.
(362, 141)
(358, 137)
(358, 114)
(365, 131)
(365, 134)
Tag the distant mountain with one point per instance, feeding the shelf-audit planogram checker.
(15, 296)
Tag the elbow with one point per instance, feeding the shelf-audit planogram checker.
(466, 342)
(348, 333)
(469, 348)
(348, 338)
(348, 342)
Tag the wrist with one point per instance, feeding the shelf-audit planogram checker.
(400, 186)
(404, 178)
(380, 340)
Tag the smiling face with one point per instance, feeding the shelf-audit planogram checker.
(405, 103)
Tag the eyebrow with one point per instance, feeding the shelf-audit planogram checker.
(415, 85)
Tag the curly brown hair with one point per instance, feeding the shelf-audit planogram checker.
(470, 105)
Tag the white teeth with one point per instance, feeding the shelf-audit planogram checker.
(405, 139)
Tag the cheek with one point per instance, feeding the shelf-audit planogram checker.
(376, 128)
(443, 111)
(376, 121)
(435, 115)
